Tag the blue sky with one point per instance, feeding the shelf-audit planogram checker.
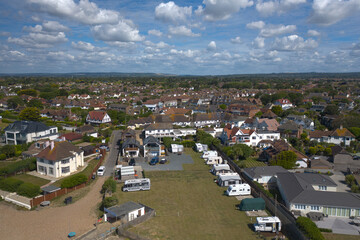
(179, 37)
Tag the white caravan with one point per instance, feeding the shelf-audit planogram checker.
(238, 189)
(136, 185)
(208, 154)
(267, 224)
(201, 147)
(214, 160)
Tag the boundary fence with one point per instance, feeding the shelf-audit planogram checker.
(288, 221)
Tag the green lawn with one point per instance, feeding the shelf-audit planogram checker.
(3, 125)
(333, 236)
(31, 179)
(5, 163)
(189, 205)
(87, 171)
(250, 162)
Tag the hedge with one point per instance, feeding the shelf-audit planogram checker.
(109, 202)
(188, 143)
(23, 165)
(10, 184)
(28, 190)
(74, 180)
(309, 228)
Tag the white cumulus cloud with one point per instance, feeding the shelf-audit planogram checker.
(268, 8)
(293, 43)
(215, 10)
(328, 12)
(155, 32)
(211, 46)
(170, 12)
(256, 25)
(182, 31)
(275, 30)
(313, 33)
(83, 46)
(236, 40)
(124, 31)
(259, 42)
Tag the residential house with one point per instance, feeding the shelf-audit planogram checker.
(153, 104)
(338, 136)
(35, 148)
(126, 212)
(264, 175)
(59, 158)
(72, 136)
(160, 130)
(290, 129)
(243, 109)
(87, 130)
(169, 101)
(318, 107)
(283, 103)
(304, 193)
(268, 114)
(301, 120)
(120, 107)
(206, 120)
(152, 147)
(20, 132)
(130, 147)
(59, 115)
(234, 120)
(98, 117)
(266, 124)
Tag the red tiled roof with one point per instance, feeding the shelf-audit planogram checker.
(97, 115)
(72, 136)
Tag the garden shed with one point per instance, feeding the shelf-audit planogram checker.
(252, 204)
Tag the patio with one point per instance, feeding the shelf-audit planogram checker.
(339, 225)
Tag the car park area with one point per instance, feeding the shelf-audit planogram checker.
(173, 163)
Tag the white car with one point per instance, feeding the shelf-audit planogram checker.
(101, 171)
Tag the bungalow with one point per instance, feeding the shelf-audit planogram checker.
(338, 136)
(302, 120)
(126, 212)
(264, 175)
(304, 193)
(266, 124)
(290, 129)
(234, 120)
(20, 132)
(284, 103)
(59, 158)
(98, 117)
(71, 136)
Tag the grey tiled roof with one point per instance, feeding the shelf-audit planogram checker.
(257, 172)
(123, 209)
(26, 127)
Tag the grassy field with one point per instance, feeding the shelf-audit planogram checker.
(5, 163)
(31, 179)
(250, 162)
(3, 125)
(189, 205)
(333, 236)
(87, 171)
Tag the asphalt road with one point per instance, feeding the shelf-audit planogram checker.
(113, 153)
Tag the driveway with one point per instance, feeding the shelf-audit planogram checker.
(339, 179)
(174, 163)
(110, 160)
(51, 222)
(339, 225)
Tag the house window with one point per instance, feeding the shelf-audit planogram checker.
(65, 169)
(322, 188)
(65, 161)
(41, 169)
(51, 171)
(315, 208)
(298, 206)
(254, 138)
(41, 159)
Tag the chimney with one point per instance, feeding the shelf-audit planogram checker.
(47, 143)
(52, 145)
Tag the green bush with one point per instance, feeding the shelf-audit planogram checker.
(309, 228)
(73, 180)
(2, 156)
(28, 190)
(188, 143)
(4, 120)
(109, 202)
(325, 230)
(10, 184)
(109, 185)
(23, 165)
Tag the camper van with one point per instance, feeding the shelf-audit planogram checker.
(238, 189)
(220, 168)
(267, 224)
(201, 147)
(208, 154)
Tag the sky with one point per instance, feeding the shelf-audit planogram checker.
(209, 37)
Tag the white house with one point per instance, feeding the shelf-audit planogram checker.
(160, 130)
(201, 147)
(59, 158)
(126, 212)
(20, 132)
(284, 103)
(98, 117)
(177, 148)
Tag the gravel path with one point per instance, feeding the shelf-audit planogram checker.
(51, 222)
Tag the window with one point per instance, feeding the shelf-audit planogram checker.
(41, 169)
(41, 159)
(298, 206)
(315, 208)
(254, 138)
(65, 161)
(51, 171)
(322, 188)
(65, 169)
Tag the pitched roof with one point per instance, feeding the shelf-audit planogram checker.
(123, 209)
(27, 127)
(151, 139)
(341, 133)
(72, 136)
(157, 126)
(318, 134)
(60, 151)
(257, 172)
(97, 115)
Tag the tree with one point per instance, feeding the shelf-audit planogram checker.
(29, 92)
(14, 102)
(8, 150)
(35, 103)
(222, 106)
(109, 186)
(331, 110)
(277, 110)
(285, 159)
(167, 142)
(109, 202)
(30, 114)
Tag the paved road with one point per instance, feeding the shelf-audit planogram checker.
(112, 156)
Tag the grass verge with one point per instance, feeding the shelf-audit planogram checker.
(31, 179)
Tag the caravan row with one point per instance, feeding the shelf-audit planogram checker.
(212, 157)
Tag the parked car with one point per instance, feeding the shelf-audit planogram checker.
(154, 161)
(163, 160)
(101, 171)
(105, 147)
(132, 162)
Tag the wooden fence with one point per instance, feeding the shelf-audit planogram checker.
(48, 197)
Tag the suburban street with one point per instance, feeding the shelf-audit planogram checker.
(110, 160)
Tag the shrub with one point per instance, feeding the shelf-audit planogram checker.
(10, 184)
(2, 156)
(109, 185)
(28, 190)
(309, 228)
(188, 143)
(109, 202)
(23, 165)
(325, 230)
(73, 180)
